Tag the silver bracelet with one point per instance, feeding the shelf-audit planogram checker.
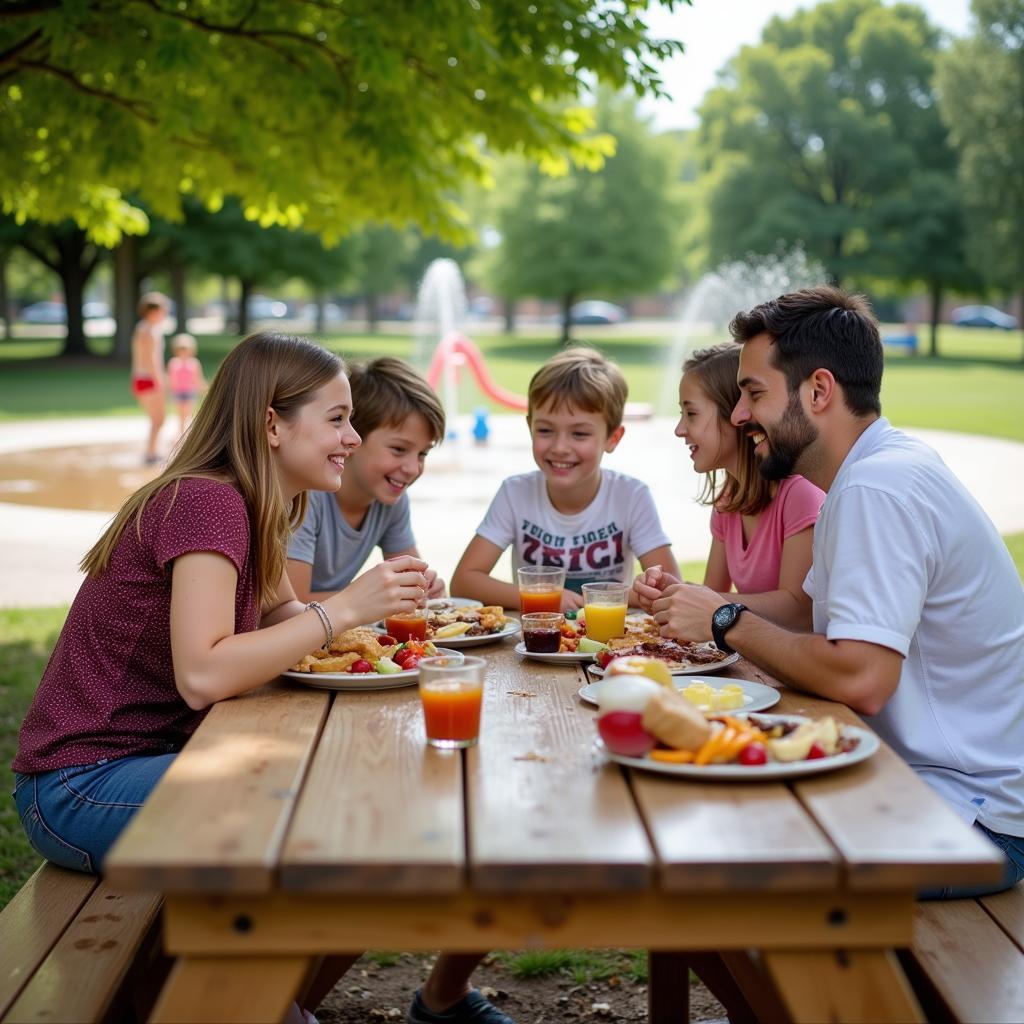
(317, 607)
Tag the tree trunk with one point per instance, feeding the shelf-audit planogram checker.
(510, 314)
(321, 321)
(5, 303)
(567, 303)
(372, 312)
(936, 296)
(245, 291)
(125, 296)
(180, 296)
(73, 277)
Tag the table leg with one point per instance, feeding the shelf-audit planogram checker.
(668, 988)
(219, 990)
(840, 986)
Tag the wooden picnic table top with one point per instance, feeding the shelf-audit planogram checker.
(294, 790)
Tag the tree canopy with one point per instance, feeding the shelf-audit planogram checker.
(609, 232)
(320, 113)
(982, 98)
(827, 134)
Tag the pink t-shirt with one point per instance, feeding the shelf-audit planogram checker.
(183, 375)
(108, 690)
(754, 567)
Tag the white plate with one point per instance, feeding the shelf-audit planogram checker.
(360, 681)
(867, 745)
(693, 670)
(441, 604)
(511, 628)
(560, 658)
(756, 696)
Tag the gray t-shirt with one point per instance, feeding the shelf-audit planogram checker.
(335, 550)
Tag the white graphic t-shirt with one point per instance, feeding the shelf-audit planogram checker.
(600, 543)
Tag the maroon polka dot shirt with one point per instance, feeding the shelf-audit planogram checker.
(108, 690)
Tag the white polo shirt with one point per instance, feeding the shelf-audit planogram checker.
(904, 557)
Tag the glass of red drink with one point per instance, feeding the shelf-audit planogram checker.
(540, 587)
(542, 631)
(407, 626)
(452, 690)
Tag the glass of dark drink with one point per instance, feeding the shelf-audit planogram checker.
(542, 631)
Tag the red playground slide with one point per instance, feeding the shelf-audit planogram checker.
(453, 345)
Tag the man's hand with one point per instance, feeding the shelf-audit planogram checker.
(435, 585)
(684, 611)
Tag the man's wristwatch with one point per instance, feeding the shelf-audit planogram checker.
(722, 621)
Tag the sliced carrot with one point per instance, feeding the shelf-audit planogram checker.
(672, 756)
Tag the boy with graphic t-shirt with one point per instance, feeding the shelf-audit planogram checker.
(593, 522)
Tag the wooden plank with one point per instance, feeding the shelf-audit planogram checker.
(853, 987)
(397, 824)
(893, 830)
(668, 988)
(216, 820)
(257, 990)
(544, 809)
(1007, 909)
(976, 969)
(308, 924)
(34, 920)
(82, 974)
(728, 836)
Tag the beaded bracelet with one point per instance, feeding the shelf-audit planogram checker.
(317, 607)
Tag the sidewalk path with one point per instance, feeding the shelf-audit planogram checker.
(40, 548)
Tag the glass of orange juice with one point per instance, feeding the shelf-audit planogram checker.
(540, 587)
(604, 608)
(452, 690)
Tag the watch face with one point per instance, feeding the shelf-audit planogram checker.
(724, 616)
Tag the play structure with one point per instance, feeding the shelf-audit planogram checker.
(453, 352)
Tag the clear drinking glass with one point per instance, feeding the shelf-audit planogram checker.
(604, 608)
(452, 690)
(540, 587)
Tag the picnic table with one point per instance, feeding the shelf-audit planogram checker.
(299, 823)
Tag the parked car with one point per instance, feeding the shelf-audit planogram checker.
(983, 316)
(596, 312)
(95, 310)
(262, 308)
(333, 313)
(45, 313)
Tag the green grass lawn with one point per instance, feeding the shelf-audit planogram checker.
(975, 387)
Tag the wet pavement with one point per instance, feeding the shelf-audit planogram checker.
(61, 481)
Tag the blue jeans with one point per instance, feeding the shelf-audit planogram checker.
(73, 815)
(1012, 849)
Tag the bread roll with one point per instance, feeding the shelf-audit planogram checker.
(672, 719)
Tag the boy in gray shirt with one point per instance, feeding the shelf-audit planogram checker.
(399, 419)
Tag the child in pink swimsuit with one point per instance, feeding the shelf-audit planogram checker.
(761, 532)
(185, 377)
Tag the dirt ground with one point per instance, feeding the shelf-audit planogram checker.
(371, 992)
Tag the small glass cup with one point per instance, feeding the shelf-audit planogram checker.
(540, 587)
(604, 608)
(452, 690)
(542, 631)
(407, 625)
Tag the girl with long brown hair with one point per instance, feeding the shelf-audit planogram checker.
(761, 531)
(186, 601)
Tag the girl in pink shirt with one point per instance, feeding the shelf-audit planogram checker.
(185, 377)
(761, 532)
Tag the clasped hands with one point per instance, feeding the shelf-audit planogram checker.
(682, 610)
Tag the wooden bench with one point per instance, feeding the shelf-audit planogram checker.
(967, 961)
(72, 949)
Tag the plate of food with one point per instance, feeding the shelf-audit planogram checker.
(576, 657)
(711, 696)
(463, 624)
(357, 660)
(681, 657)
(644, 724)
